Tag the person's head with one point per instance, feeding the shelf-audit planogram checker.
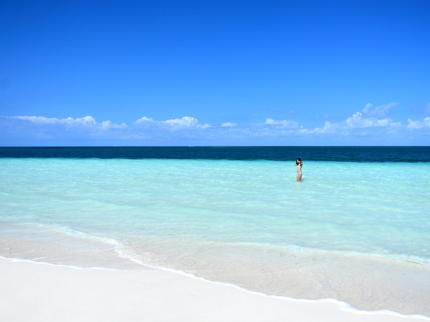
(299, 161)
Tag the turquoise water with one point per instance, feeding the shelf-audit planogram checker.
(378, 209)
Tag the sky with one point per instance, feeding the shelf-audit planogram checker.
(188, 73)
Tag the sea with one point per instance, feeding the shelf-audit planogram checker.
(357, 228)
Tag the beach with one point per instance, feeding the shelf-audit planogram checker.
(214, 161)
(44, 292)
(364, 283)
(239, 230)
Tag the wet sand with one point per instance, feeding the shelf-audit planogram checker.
(44, 292)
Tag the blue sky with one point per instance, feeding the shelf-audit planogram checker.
(214, 72)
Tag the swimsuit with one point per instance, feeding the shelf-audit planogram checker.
(299, 171)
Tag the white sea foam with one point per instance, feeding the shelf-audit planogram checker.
(80, 234)
(304, 250)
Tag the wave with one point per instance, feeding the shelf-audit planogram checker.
(305, 250)
(120, 248)
(81, 234)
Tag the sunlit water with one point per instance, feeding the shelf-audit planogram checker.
(358, 232)
(370, 208)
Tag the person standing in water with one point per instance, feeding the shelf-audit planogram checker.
(299, 165)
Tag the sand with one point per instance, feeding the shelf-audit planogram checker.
(31, 291)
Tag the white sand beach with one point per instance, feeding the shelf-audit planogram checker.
(33, 291)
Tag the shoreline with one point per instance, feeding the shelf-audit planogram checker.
(55, 291)
(365, 283)
(230, 222)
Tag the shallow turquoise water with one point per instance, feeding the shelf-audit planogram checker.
(369, 208)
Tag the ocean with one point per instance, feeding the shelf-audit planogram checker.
(357, 228)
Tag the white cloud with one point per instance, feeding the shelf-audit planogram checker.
(365, 119)
(188, 130)
(36, 119)
(144, 119)
(109, 124)
(328, 127)
(414, 125)
(228, 124)
(87, 121)
(380, 110)
(356, 121)
(186, 121)
(174, 124)
(284, 123)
